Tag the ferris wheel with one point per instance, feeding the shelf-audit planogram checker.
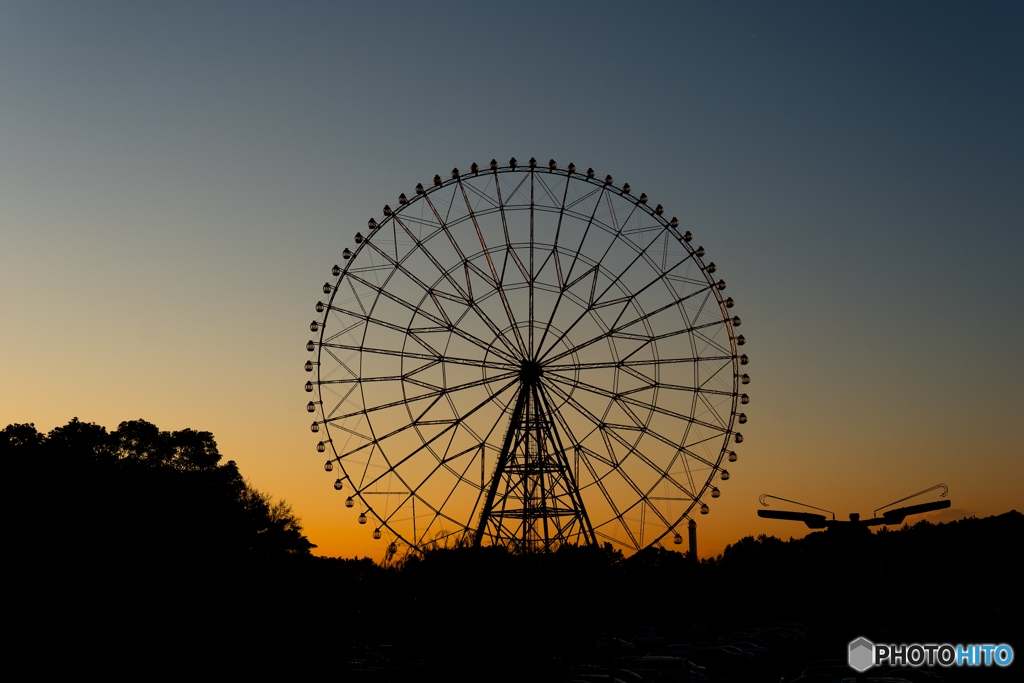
(525, 356)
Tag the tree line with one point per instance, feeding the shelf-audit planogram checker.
(141, 493)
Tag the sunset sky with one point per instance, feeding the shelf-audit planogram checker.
(177, 180)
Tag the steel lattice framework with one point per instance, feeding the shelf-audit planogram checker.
(525, 356)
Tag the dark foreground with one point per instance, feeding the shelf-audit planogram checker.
(138, 554)
(579, 614)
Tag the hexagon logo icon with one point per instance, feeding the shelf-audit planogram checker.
(862, 655)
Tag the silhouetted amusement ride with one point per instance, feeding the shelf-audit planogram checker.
(526, 356)
(893, 517)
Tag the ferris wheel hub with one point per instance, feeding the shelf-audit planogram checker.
(530, 372)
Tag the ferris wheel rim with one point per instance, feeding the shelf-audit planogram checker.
(604, 186)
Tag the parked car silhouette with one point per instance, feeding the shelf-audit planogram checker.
(614, 644)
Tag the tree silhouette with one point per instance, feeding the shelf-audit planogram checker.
(141, 440)
(82, 441)
(139, 494)
(21, 437)
(194, 450)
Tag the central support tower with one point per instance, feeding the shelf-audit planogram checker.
(533, 501)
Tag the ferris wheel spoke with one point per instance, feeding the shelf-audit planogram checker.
(713, 343)
(339, 403)
(349, 430)
(491, 325)
(430, 256)
(399, 266)
(726, 322)
(440, 516)
(704, 302)
(723, 427)
(529, 348)
(610, 431)
(448, 325)
(347, 330)
(517, 261)
(343, 364)
(606, 430)
(440, 463)
(414, 493)
(695, 328)
(431, 227)
(373, 442)
(480, 195)
(611, 539)
(615, 229)
(568, 274)
(412, 355)
(495, 278)
(367, 318)
(688, 451)
(623, 397)
(678, 457)
(598, 457)
(520, 344)
(509, 250)
(355, 294)
(595, 302)
(643, 502)
(490, 278)
(461, 478)
(539, 179)
(617, 397)
(470, 301)
(618, 328)
(643, 498)
(501, 209)
(446, 393)
(599, 481)
(552, 257)
(586, 230)
(629, 298)
(664, 274)
(515, 190)
(695, 390)
(715, 374)
(646, 383)
(630, 363)
(437, 393)
(451, 425)
(648, 339)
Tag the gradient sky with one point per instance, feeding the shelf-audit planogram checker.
(177, 180)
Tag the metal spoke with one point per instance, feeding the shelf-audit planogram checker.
(608, 429)
(438, 392)
(490, 264)
(623, 398)
(427, 443)
(617, 330)
(631, 297)
(568, 274)
(448, 325)
(629, 363)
